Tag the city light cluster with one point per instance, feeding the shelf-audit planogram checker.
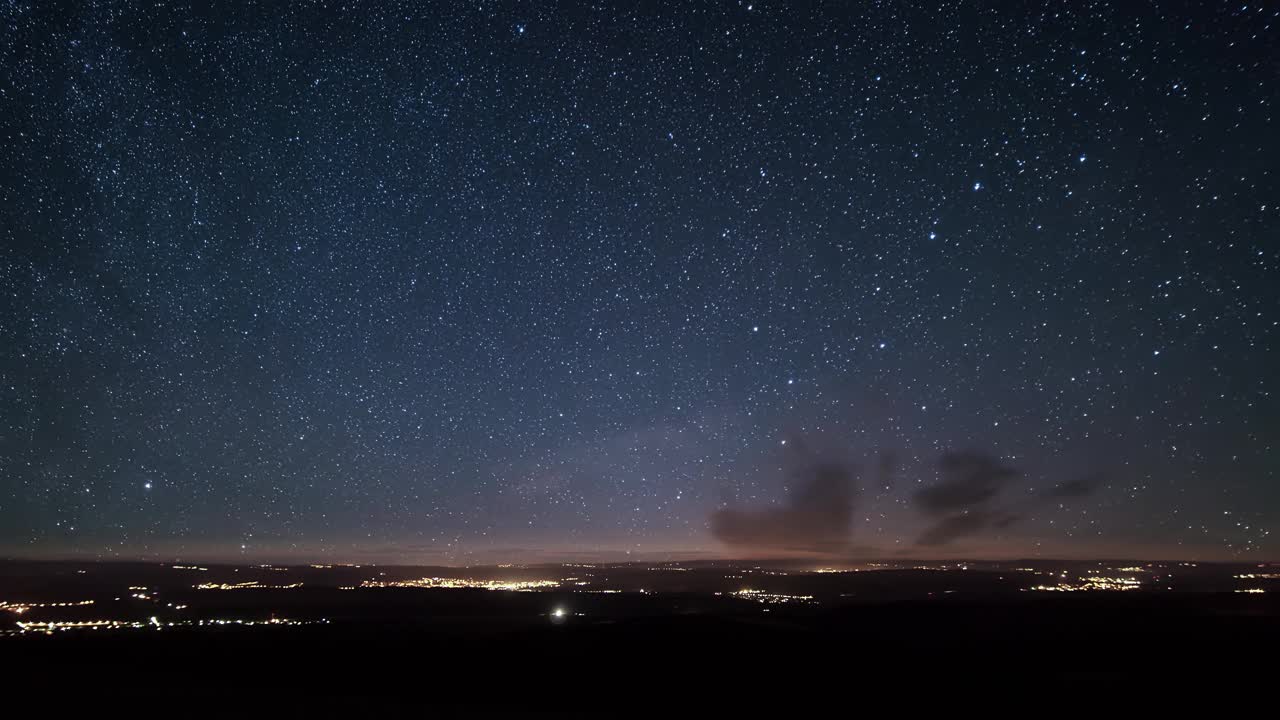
(20, 608)
(51, 626)
(250, 585)
(459, 583)
(1092, 583)
(771, 598)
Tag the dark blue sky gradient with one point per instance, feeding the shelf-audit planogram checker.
(510, 281)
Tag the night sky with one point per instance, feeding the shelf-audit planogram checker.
(517, 281)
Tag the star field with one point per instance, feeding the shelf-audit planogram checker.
(520, 280)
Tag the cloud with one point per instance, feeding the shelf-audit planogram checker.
(886, 469)
(971, 481)
(950, 528)
(966, 500)
(970, 478)
(818, 516)
(1076, 488)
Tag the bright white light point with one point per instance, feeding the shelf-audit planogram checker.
(791, 382)
(1082, 158)
(558, 612)
(977, 186)
(933, 236)
(784, 442)
(1157, 352)
(146, 486)
(755, 328)
(881, 346)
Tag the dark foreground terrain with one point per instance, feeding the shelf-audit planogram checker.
(578, 635)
